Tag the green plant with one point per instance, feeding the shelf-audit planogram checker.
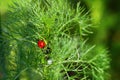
(62, 27)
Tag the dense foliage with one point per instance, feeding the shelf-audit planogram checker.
(63, 28)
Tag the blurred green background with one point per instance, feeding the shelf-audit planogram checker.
(105, 16)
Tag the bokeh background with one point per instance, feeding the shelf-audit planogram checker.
(105, 16)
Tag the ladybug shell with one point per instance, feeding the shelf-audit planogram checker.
(41, 44)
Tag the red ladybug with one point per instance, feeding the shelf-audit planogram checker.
(41, 44)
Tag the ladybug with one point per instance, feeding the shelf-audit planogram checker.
(45, 48)
(41, 44)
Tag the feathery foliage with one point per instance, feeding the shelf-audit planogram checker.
(62, 27)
